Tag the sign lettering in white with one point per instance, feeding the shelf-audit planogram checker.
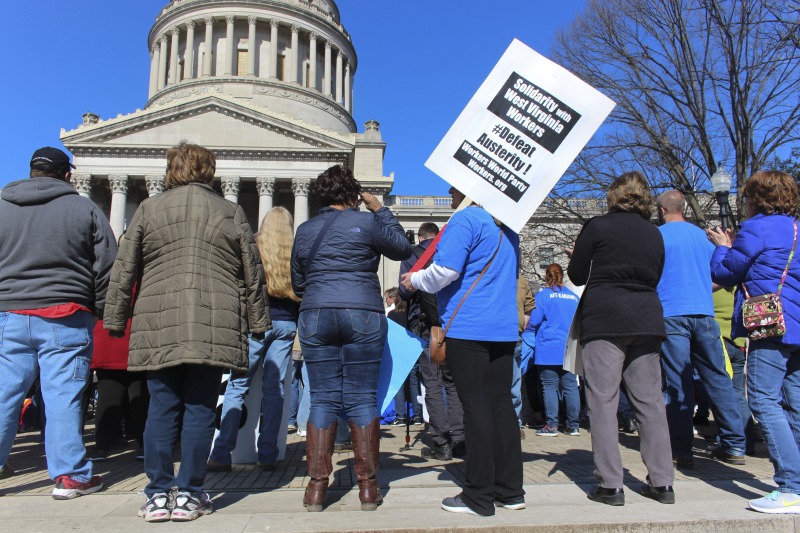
(518, 134)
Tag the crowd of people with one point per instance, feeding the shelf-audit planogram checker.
(189, 293)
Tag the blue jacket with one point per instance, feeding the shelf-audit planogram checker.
(343, 274)
(551, 320)
(757, 259)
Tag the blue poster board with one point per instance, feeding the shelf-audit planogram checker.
(402, 350)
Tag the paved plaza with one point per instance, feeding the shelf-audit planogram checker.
(558, 472)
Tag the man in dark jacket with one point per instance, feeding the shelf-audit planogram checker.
(56, 252)
(446, 417)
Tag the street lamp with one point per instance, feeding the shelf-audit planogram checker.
(721, 185)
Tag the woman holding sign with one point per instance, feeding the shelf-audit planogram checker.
(475, 270)
(622, 326)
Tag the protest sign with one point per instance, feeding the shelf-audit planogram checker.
(518, 134)
(401, 351)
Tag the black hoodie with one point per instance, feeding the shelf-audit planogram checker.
(56, 247)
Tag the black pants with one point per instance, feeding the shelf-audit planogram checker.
(445, 414)
(482, 372)
(114, 387)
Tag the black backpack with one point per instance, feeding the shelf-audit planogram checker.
(428, 306)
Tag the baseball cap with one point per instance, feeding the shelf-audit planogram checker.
(48, 158)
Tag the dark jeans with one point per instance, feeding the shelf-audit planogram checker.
(408, 393)
(559, 384)
(482, 372)
(445, 414)
(297, 388)
(120, 394)
(738, 358)
(342, 349)
(195, 388)
(694, 341)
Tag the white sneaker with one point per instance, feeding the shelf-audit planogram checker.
(301, 432)
(188, 507)
(158, 508)
(777, 503)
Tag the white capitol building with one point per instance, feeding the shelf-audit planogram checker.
(268, 86)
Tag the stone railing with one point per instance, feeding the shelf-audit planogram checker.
(437, 202)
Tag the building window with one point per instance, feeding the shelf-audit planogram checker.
(546, 256)
(241, 62)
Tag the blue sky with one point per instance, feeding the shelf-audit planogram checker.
(419, 62)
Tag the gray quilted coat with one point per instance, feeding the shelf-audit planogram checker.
(199, 285)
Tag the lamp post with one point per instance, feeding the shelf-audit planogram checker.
(721, 185)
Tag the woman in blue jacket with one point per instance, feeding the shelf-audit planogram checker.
(551, 319)
(763, 249)
(342, 325)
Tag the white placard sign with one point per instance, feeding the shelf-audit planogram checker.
(519, 134)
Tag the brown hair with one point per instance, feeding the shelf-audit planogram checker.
(189, 163)
(274, 240)
(554, 275)
(630, 193)
(337, 186)
(772, 192)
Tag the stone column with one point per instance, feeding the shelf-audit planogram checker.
(339, 61)
(188, 57)
(295, 54)
(162, 63)
(155, 184)
(300, 188)
(154, 60)
(173, 56)
(119, 195)
(230, 47)
(273, 48)
(82, 183)
(209, 46)
(347, 91)
(265, 188)
(326, 82)
(251, 46)
(312, 59)
(230, 188)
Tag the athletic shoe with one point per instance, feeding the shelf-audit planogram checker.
(188, 508)
(399, 421)
(777, 503)
(547, 431)
(573, 432)
(418, 421)
(514, 504)
(456, 505)
(67, 488)
(292, 428)
(301, 432)
(717, 452)
(158, 507)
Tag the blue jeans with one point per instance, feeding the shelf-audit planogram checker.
(60, 350)
(738, 359)
(297, 388)
(516, 383)
(694, 341)
(304, 408)
(557, 383)
(342, 349)
(195, 390)
(773, 385)
(274, 353)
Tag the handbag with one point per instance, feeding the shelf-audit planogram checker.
(438, 347)
(763, 315)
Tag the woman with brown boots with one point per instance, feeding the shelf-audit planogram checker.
(342, 325)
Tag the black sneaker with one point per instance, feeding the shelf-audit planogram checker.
(188, 507)
(456, 505)
(399, 421)
(514, 504)
(418, 421)
(439, 453)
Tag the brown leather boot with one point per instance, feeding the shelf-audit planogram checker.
(319, 448)
(366, 444)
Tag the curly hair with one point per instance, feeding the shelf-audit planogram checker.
(554, 275)
(337, 186)
(275, 238)
(630, 193)
(772, 192)
(189, 163)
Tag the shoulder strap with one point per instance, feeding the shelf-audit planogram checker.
(449, 322)
(317, 242)
(785, 270)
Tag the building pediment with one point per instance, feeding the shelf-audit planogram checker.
(215, 121)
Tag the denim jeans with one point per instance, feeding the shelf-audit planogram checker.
(304, 408)
(274, 353)
(195, 390)
(694, 341)
(60, 350)
(773, 385)
(342, 349)
(516, 383)
(557, 383)
(297, 388)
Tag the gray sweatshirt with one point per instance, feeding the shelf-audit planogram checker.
(56, 247)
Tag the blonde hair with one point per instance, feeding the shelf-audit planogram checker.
(189, 163)
(275, 238)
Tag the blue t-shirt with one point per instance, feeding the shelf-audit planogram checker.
(685, 285)
(490, 311)
(551, 320)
